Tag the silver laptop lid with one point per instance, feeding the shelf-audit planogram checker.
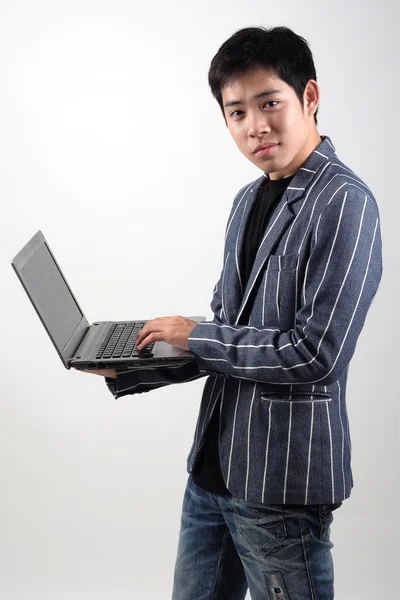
(51, 296)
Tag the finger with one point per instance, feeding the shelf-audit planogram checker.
(102, 372)
(144, 333)
(149, 328)
(152, 337)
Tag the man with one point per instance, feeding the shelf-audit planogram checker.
(302, 262)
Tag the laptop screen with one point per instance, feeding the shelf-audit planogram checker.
(52, 297)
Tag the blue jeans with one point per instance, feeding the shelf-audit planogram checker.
(228, 545)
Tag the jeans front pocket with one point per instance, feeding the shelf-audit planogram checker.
(326, 519)
(262, 526)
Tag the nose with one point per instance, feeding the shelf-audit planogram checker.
(258, 125)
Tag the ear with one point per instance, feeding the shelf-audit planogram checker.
(311, 97)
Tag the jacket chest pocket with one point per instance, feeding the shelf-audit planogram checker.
(278, 288)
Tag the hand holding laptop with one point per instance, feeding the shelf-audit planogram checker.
(111, 373)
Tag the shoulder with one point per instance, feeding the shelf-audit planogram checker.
(249, 188)
(338, 181)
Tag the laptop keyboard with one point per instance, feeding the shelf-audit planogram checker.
(120, 342)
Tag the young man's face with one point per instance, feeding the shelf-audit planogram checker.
(261, 109)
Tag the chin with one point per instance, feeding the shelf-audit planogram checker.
(265, 166)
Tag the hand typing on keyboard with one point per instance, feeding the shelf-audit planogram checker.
(173, 330)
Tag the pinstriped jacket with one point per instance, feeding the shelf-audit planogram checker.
(284, 432)
(281, 378)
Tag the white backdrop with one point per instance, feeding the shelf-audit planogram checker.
(112, 144)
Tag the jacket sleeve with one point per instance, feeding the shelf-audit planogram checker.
(342, 276)
(147, 378)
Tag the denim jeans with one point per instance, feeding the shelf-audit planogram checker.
(227, 546)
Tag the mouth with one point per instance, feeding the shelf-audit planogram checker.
(263, 149)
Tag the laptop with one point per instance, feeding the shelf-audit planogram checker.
(102, 345)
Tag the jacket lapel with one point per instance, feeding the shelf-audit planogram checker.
(233, 284)
(281, 218)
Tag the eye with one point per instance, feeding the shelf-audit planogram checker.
(236, 113)
(274, 102)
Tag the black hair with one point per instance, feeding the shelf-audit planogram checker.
(277, 49)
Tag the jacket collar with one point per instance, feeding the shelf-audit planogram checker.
(324, 152)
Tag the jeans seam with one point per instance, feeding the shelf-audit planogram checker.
(306, 556)
(226, 532)
(320, 522)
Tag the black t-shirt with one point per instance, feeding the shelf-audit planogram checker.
(207, 472)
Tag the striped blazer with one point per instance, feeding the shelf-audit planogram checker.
(281, 378)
